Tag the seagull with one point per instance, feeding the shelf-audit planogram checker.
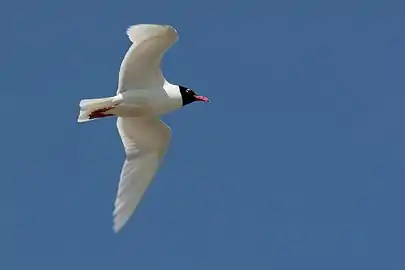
(143, 95)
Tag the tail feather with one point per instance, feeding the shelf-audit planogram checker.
(87, 106)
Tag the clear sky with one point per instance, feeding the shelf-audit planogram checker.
(298, 162)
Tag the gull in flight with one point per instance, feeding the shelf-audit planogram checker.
(143, 95)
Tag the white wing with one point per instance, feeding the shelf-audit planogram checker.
(145, 141)
(140, 67)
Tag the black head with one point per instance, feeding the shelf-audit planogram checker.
(189, 96)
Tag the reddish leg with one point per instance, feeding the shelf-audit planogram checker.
(100, 113)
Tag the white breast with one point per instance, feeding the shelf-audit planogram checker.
(160, 101)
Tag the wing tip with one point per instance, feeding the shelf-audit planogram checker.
(119, 220)
(117, 226)
(132, 29)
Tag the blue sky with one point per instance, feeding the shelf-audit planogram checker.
(298, 163)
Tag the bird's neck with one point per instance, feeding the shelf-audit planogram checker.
(174, 96)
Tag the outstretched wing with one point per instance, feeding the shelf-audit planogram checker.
(140, 67)
(145, 140)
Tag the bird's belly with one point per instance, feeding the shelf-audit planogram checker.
(141, 101)
(124, 110)
(161, 108)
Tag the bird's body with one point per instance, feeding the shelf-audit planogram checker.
(133, 103)
(143, 95)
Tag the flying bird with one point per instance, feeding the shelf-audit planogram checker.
(143, 95)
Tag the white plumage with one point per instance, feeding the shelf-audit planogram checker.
(145, 142)
(143, 95)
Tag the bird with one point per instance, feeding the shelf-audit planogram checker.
(143, 95)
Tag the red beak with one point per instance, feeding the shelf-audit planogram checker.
(202, 98)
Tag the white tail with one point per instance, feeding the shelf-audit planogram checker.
(87, 106)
